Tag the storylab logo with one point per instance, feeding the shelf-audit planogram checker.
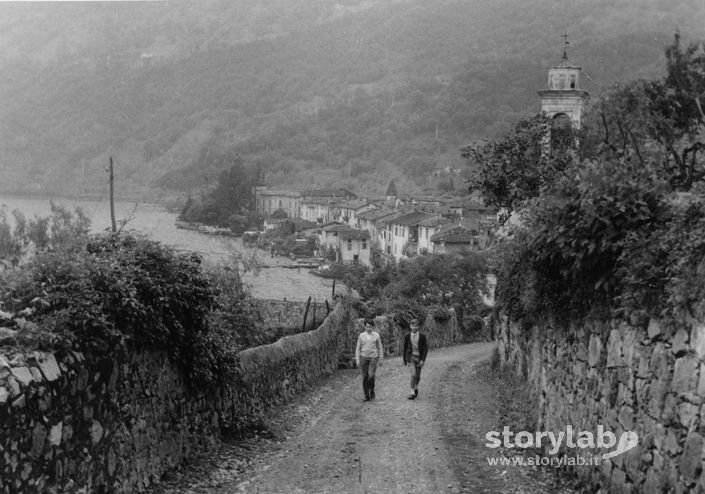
(602, 439)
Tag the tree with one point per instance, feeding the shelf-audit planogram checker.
(234, 195)
(456, 280)
(659, 123)
(515, 168)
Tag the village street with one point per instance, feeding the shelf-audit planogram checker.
(330, 441)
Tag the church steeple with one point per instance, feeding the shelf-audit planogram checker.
(564, 100)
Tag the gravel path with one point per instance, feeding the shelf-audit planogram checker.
(330, 441)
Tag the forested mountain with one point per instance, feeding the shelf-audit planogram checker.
(346, 92)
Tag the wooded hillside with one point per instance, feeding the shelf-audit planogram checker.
(352, 93)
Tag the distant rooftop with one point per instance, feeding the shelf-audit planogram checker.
(454, 234)
(336, 227)
(412, 218)
(376, 214)
(433, 222)
(354, 235)
(353, 203)
(328, 193)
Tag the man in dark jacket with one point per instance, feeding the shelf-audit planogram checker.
(415, 350)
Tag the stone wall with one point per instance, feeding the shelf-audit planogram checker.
(440, 333)
(289, 314)
(71, 422)
(650, 380)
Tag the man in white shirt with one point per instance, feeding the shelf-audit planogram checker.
(367, 354)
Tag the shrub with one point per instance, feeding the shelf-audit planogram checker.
(435, 280)
(610, 236)
(124, 290)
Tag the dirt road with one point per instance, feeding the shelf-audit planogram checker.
(337, 443)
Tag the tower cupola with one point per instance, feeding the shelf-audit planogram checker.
(563, 100)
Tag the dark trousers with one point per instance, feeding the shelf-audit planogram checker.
(368, 367)
(415, 372)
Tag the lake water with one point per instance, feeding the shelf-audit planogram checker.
(158, 224)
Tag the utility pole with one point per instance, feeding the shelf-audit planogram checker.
(112, 196)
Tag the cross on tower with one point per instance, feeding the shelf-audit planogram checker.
(565, 45)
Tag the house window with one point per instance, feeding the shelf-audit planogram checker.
(349, 244)
(389, 249)
(396, 232)
(364, 244)
(572, 82)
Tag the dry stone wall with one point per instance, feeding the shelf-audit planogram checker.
(650, 380)
(71, 422)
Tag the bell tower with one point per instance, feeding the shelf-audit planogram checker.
(564, 101)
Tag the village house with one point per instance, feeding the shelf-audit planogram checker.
(385, 232)
(371, 221)
(268, 200)
(442, 171)
(320, 205)
(316, 210)
(456, 238)
(404, 233)
(477, 212)
(354, 247)
(349, 210)
(350, 245)
(328, 236)
(427, 228)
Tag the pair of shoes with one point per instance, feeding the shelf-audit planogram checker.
(411, 396)
(372, 395)
(367, 398)
(416, 393)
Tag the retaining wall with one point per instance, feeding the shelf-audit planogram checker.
(650, 380)
(71, 422)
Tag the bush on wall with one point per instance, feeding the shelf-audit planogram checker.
(121, 290)
(609, 235)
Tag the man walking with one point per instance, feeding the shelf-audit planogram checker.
(367, 354)
(415, 350)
